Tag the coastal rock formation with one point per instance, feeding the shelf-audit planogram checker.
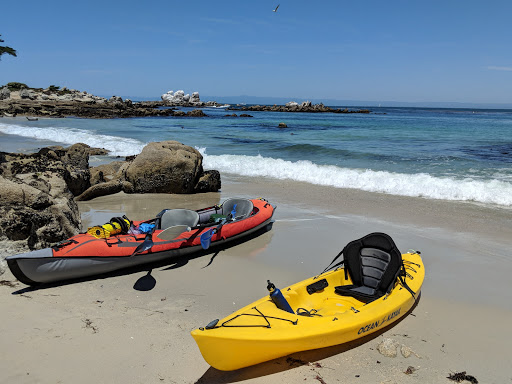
(293, 106)
(5, 93)
(37, 208)
(179, 98)
(89, 109)
(19, 91)
(235, 115)
(193, 113)
(165, 167)
(18, 99)
(161, 167)
(36, 215)
(208, 182)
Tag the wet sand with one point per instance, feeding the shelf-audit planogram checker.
(112, 330)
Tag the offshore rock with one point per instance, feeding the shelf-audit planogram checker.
(293, 106)
(193, 113)
(179, 98)
(196, 113)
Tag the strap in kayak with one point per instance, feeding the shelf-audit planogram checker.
(331, 266)
(260, 314)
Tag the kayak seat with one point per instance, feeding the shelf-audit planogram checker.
(174, 217)
(374, 264)
(243, 209)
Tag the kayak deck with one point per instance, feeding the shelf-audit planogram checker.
(260, 331)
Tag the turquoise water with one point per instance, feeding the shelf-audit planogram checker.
(450, 154)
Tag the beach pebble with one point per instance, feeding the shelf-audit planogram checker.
(387, 347)
(407, 351)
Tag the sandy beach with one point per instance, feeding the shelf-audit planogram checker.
(107, 331)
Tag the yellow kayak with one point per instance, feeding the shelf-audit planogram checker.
(332, 308)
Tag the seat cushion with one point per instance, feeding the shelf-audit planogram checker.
(362, 293)
(174, 217)
(243, 208)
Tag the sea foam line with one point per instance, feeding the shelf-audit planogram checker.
(415, 185)
(118, 146)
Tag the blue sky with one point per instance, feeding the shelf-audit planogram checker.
(413, 51)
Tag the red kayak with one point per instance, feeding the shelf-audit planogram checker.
(172, 233)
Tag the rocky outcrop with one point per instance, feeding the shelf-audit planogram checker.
(179, 98)
(37, 208)
(161, 167)
(89, 109)
(293, 106)
(21, 91)
(235, 115)
(193, 113)
(165, 167)
(56, 102)
(5, 93)
(208, 182)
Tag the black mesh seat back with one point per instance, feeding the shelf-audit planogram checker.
(373, 261)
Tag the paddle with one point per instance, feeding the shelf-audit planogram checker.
(207, 236)
(145, 245)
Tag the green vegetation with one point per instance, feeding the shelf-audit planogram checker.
(7, 50)
(16, 86)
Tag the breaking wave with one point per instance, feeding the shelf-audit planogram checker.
(415, 185)
(118, 146)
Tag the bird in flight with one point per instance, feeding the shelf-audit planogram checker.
(275, 10)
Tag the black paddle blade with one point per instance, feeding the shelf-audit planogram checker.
(144, 246)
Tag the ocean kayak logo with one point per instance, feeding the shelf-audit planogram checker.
(379, 323)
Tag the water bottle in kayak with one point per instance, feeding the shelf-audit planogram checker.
(278, 298)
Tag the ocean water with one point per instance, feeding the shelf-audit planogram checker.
(449, 154)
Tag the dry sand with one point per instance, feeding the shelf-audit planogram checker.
(106, 331)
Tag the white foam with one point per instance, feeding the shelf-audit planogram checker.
(416, 185)
(118, 146)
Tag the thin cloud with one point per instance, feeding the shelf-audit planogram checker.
(494, 68)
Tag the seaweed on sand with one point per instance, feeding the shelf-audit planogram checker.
(461, 376)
